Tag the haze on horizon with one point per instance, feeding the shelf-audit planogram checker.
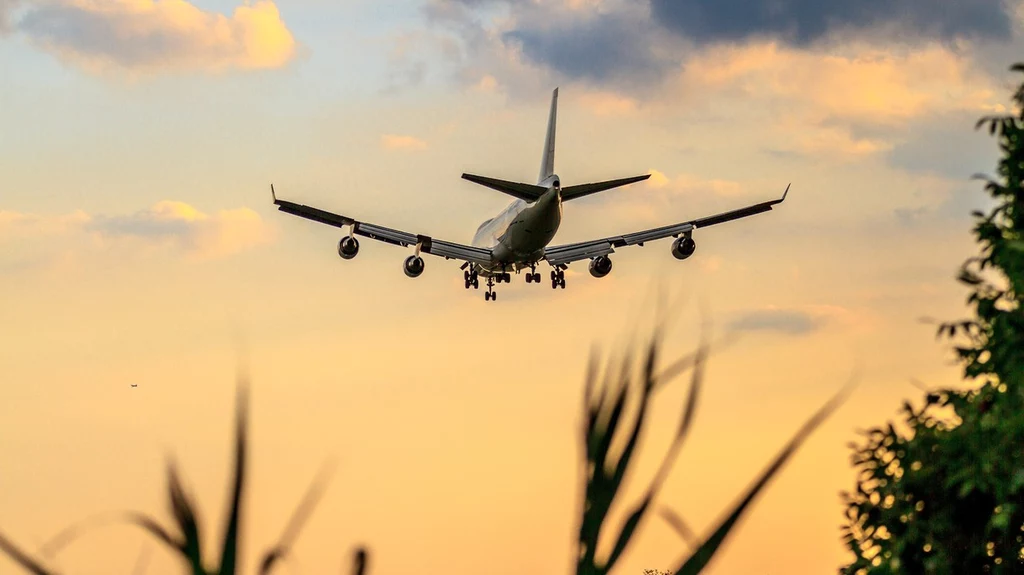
(138, 239)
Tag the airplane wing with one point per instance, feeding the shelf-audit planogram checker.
(447, 250)
(567, 253)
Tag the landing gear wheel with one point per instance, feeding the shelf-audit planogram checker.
(529, 278)
(536, 278)
(490, 295)
(476, 283)
(561, 283)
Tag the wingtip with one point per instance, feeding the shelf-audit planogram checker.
(785, 192)
(273, 194)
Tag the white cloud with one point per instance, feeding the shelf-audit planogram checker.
(398, 142)
(149, 36)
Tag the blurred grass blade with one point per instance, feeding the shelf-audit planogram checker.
(302, 513)
(688, 362)
(22, 558)
(680, 526)
(67, 535)
(184, 514)
(700, 558)
(360, 561)
(157, 531)
(142, 562)
(229, 551)
(631, 524)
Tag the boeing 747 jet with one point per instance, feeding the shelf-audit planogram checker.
(517, 239)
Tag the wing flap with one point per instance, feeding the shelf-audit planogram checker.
(450, 250)
(388, 235)
(575, 252)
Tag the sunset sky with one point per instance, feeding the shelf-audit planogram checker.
(139, 244)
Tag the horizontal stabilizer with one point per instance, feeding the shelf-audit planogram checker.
(573, 192)
(526, 192)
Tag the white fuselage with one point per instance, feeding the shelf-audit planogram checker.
(519, 234)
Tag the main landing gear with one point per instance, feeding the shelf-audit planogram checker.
(557, 278)
(490, 295)
(533, 276)
(472, 279)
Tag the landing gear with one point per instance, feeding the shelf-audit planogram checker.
(472, 279)
(533, 276)
(490, 295)
(503, 277)
(557, 279)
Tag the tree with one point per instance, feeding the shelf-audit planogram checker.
(946, 494)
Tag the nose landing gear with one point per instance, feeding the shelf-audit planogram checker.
(533, 276)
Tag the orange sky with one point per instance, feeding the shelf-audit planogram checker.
(138, 238)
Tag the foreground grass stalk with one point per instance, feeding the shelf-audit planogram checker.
(603, 474)
(185, 539)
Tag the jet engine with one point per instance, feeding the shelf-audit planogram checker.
(683, 247)
(413, 266)
(600, 266)
(348, 247)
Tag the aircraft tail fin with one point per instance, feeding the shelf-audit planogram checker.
(547, 163)
(578, 191)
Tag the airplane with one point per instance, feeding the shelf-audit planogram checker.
(135, 385)
(518, 237)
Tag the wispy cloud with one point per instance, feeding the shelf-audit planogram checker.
(802, 320)
(6, 7)
(167, 224)
(151, 36)
(397, 142)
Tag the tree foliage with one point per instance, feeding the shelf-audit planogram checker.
(944, 492)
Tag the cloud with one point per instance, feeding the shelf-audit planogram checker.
(948, 146)
(802, 22)
(641, 50)
(198, 236)
(395, 142)
(665, 194)
(148, 36)
(6, 7)
(594, 46)
(608, 104)
(801, 320)
(860, 82)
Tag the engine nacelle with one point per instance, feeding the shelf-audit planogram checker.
(683, 247)
(413, 266)
(348, 247)
(600, 266)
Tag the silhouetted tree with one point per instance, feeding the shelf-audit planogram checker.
(946, 495)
